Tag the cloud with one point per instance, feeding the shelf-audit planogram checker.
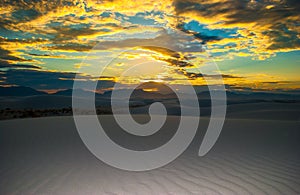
(263, 27)
(163, 41)
(34, 30)
(4, 64)
(9, 60)
(46, 80)
(204, 38)
(12, 50)
(267, 26)
(7, 55)
(173, 58)
(194, 75)
(71, 47)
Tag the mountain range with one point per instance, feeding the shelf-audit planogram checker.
(160, 93)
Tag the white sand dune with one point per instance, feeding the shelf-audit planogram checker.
(47, 156)
(261, 110)
(265, 110)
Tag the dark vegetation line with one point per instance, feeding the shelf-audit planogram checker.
(35, 113)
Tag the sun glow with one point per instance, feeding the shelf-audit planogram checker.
(150, 89)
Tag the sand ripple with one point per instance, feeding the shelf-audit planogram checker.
(52, 160)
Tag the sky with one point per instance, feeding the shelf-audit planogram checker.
(254, 43)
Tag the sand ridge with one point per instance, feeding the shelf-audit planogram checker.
(47, 156)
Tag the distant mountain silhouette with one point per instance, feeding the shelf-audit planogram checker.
(69, 92)
(139, 94)
(160, 91)
(66, 92)
(20, 91)
(253, 95)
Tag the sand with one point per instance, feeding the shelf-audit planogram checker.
(252, 156)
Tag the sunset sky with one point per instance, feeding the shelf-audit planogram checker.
(255, 43)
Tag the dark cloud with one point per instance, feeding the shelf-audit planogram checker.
(193, 75)
(164, 51)
(25, 15)
(4, 41)
(60, 28)
(8, 60)
(24, 11)
(39, 55)
(179, 42)
(204, 38)
(45, 80)
(173, 58)
(71, 32)
(72, 47)
(4, 64)
(241, 11)
(6, 55)
(288, 39)
(277, 82)
(176, 62)
(228, 76)
(278, 20)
